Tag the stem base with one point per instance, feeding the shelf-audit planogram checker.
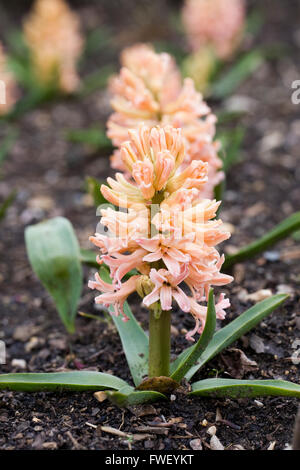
(159, 344)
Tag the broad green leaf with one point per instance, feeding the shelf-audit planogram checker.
(135, 344)
(195, 352)
(54, 255)
(134, 340)
(94, 137)
(245, 388)
(234, 330)
(281, 231)
(6, 204)
(129, 397)
(56, 381)
(245, 67)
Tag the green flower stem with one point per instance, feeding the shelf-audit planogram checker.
(159, 344)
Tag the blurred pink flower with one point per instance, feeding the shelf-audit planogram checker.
(52, 32)
(8, 86)
(217, 23)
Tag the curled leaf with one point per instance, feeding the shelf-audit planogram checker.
(54, 254)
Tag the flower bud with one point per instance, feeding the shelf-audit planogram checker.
(144, 286)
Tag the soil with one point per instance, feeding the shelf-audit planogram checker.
(48, 173)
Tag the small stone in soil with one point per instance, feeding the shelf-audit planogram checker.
(215, 443)
(272, 256)
(19, 363)
(196, 444)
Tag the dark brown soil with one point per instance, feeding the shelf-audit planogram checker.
(48, 173)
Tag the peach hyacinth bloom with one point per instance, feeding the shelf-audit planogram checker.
(8, 87)
(52, 32)
(165, 230)
(217, 23)
(149, 90)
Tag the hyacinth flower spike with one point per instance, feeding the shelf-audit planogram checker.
(169, 234)
(52, 33)
(181, 249)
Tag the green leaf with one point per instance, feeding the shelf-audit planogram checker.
(94, 137)
(74, 381)
(93, 188)
(180, 370)
(245, 67)
(281, 231)
(129, 397)
(135, 344)
(134, 340)
(234, 330)
(6, 203)
(54, 255)
(245, 388)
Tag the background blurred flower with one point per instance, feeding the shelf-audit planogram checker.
(218, 23)
(8, 87)
(53, 36)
